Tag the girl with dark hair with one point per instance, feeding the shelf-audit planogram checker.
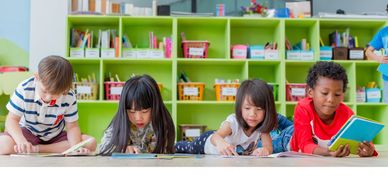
(142, 123)
(247, 132)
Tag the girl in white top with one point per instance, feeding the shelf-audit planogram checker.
(255, 116)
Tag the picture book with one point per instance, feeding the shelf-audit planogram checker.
(356, 130)
(72, 151)
(151, 156)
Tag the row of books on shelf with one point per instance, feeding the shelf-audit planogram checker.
(109, 7)
(85, 44)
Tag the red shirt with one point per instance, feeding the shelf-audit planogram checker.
(302, 139)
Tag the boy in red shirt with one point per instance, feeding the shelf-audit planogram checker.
(320, 116)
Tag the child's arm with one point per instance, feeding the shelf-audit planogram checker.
(217, 139)
(74, 135)
(267, 146)
(372, 56)
(13, 128)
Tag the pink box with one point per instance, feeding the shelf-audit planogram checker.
(239, 51)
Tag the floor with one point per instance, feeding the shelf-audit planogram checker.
(205, 161)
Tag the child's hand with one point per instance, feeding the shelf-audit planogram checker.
(133, 150)
(383, 59)
(366, 149)
(342, 151)
(227, 149)
(25, 147)
(261, 152)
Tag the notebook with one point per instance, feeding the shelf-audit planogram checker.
(356, 130)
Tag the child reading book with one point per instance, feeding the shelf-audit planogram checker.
(254, 118)
(40, 109)
(142, 123)
(321, 115)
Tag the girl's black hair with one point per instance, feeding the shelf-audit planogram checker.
(142, 92)
(260, 94)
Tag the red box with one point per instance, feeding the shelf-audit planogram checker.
(113, 90)
(195, 49)
(295, 91)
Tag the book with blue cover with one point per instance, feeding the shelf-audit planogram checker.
(356, 130)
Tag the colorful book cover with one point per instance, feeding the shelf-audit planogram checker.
(356, 130)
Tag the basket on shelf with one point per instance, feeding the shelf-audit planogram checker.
(191, 131)
(295, 91)
(191, 90)
(85, 90)
(195, 48)
(113, 90)
(226, 92)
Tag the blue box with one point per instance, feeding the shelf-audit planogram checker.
(256, 52)
(373, 94)
(326, 53)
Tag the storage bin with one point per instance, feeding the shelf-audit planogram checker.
(85, 91)
(295, 91)
(256, 52)
(191, 131)
(226, 92)
(326, 53)
(113, 90)
(356, 54)
(239, 51)
(191, 91)
(195, 49)
(340, 53)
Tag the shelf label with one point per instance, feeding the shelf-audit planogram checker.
(77, 52)
(190, 91)
(306, 55)
(142, 54)
(229, 91)
(257, 53)
(373, 94)
(116, 90)
(108, 53)
(293, 55)
(156, 54)
(356, 54)
(92, 53)
(130, 53)
(192, 132)
(84, 90)
(239, 53)
(196, 51)
(298, 92)
(271, 54)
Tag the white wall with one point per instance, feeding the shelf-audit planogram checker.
(47, 29)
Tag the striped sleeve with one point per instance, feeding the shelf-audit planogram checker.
(71, 113)
(16, 104)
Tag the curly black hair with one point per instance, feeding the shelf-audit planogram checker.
(326, 69)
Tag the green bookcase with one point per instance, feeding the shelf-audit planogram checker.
(221, 32)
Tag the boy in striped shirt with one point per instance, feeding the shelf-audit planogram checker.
(40, 109)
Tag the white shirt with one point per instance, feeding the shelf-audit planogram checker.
(238, 137)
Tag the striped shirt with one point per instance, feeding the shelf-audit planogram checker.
(44, 120)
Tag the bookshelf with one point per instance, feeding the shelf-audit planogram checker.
(95, 115)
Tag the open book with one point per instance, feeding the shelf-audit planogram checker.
(354, 131)
(289, 154)
(72, 151)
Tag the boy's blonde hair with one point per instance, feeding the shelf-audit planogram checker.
(56, 74)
